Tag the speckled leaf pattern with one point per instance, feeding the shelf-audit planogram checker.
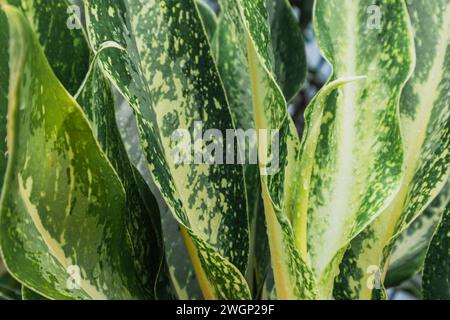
(63, 206)
(425, 123)
(60, 42)
(436, 274)
(4, 85)
(180, 270)
(169, 78)
(288, 48)
(9, 287)
(357, 163)
(142, 214)
(360, 203)
(208, 17)
(250, 34)
(408, 253)
(143, 222)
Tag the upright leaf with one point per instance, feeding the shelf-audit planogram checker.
(436, 275)
(180, 270)
(208, 17)
(409, 251)
(142, 212)
(425, 122)
(96, 99)
(61, 36)
(28, 294)
(256, 53)
(9, 287)
(288, 48)
(169, 78)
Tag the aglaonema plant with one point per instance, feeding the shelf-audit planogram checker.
(357, 203)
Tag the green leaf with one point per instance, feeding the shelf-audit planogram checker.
(208, 17)
(4, 85)
(436, 274)
(251, 57)
(181, 270)
(96, 98)
(352, 158)
(143, 219)
(63, 207)
(179, 265)
(28, 294)
(409, 251)
(288, 48)
(425, 119)
(61, 37)
(169, 78)
(9, 287)
(232, 67)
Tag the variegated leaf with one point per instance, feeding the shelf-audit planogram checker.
(169, 78)
(181, 271)
(356, 168)
(179, 265)
(436, 274)
(288, 48)
(232, 68)
(63, 208)
(408, 253)
(9, 287)
(142, 213)
(28, 294)
(425, 122)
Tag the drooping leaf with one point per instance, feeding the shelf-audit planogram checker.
(409, 251)
(63, 207)
(288, 48)
(436, 274)
(9, 287)
(425, 121)
(208, 17)
(96, 98)
(168, 77)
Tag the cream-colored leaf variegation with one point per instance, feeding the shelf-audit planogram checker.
(425, 123)
(237, 71)
(356, 167)
(169, 78)
(63, 206)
